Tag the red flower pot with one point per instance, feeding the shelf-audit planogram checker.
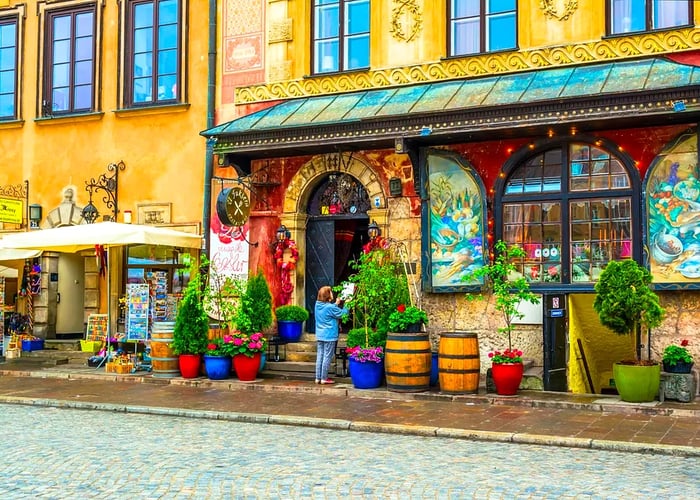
(507, 377)
(246, 368)
(189, 365)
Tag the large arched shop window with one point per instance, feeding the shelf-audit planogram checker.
(571, 208)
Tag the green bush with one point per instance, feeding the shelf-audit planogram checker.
(254, 312)
(291, 313)
(191, 323)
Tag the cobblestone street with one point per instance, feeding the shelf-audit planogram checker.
(98, 454)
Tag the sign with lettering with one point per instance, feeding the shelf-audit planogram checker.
(11, 210)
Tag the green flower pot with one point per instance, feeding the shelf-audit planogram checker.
(637, 384)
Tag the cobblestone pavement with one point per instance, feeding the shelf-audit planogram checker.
(75, 454)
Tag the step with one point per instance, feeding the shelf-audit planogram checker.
(62, 344)
(57, 357)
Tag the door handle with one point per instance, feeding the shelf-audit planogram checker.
(58, 297)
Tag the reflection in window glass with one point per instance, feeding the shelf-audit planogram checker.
(341, 35)
(628, 16)
(477, 27)
(8, 68)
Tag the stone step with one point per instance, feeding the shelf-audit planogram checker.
(57, 357)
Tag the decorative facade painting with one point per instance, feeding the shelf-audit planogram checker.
(456, 225)
(673, 208)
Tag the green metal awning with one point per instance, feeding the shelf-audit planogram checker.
(447, 109)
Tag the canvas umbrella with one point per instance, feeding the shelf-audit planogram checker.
(8, 272)
(73, 239)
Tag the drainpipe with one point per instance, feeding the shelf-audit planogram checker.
(211, 107)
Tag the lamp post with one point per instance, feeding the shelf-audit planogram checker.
(110, 185)
(373, 230)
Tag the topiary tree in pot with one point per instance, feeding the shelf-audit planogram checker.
(625, 302)
(191, 326)
(254, 313)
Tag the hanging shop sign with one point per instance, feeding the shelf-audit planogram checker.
(11, 210)
(233, 206)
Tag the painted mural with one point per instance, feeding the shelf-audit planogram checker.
(456, 221)
(673, 207)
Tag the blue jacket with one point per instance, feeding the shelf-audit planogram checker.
(327, 315)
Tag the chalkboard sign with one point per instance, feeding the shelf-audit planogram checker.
(96, 327)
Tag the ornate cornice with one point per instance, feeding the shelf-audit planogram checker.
(648, 44)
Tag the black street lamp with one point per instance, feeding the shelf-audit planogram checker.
(110, 186)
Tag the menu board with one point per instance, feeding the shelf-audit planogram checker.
(96, 327)
(137, 310)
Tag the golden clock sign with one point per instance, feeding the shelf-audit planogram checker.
(233, 207)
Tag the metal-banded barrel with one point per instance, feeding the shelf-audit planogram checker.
(458, 362)
(407, 362)
(164, 362)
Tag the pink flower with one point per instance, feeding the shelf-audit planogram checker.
(491, 355)
(228, 338)
(237, 341)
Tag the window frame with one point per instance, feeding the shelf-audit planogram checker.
(126, 86)
(648, 19)
(46, 12)
(483, 29)
(342, 37)
(565, 197)
(14, 16)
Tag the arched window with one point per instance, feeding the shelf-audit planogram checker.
(571, 208)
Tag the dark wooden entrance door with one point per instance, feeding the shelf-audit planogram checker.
(555, 343)
(331, 243)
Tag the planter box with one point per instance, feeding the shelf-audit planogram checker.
(119, 368)
(33, 345)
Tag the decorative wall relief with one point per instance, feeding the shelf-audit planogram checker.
(406, 20)
(558, 9)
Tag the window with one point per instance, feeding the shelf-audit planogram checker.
(153, 52)
(8, 68)
(478, 26)
(341, 35)
(568, 234)
(629, 16)
(69, 70)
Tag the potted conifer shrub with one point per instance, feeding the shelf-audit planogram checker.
(191, 327)
(625, 302)
(290, 322)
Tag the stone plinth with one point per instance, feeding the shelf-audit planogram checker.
(679, 386)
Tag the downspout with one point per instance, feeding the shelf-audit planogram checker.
(211, 108)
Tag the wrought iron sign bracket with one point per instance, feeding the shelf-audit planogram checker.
(109, 184)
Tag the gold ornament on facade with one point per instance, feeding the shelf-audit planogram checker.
(551, 9)
(614, 49)
(406, 20)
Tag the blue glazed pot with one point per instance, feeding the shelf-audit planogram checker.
(289, 331)
(366, 375)
(217, 367)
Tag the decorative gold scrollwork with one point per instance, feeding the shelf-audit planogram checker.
(550, 9)
(406, 20)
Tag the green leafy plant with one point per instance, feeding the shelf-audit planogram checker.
(216, 347)
(403, 316)
(625, 302)
(222, 295)
(502, 280)
(362, 337)
(291, 313)
(191, 322)
(380, 286)
(254, 312)
(674, 354)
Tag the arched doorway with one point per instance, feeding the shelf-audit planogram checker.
(336, 229)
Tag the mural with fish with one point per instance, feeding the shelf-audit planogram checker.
(673, 208)
(456, 220)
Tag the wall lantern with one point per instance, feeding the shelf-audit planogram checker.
(373, 230)
(34, 216)
(282, 233)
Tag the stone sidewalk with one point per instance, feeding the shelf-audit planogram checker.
(534, 417)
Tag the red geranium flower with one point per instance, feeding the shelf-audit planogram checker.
(401, 308)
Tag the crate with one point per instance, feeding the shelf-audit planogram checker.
(12, 354)
(33, 345)
(92, 346)
(119, 368)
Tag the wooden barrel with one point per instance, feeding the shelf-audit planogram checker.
(458, 362)
(164, 362)
(407, 362)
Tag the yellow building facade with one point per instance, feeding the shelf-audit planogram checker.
(102, 103)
